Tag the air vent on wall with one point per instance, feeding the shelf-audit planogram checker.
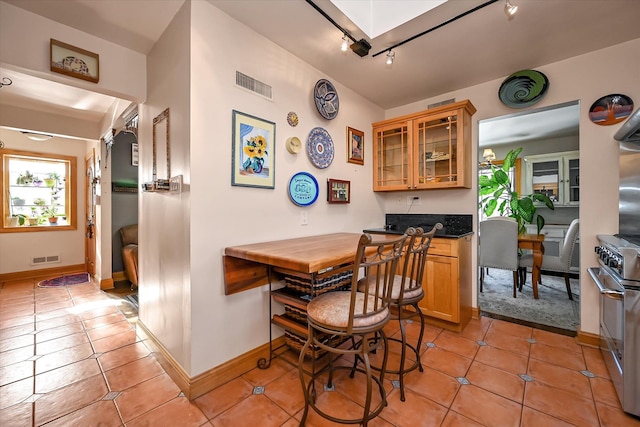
(254, 85)
(438, 104)
(48, 259)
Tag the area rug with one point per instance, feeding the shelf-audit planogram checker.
(70, 279)
(552, 311)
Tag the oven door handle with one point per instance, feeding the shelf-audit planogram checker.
(609, 293)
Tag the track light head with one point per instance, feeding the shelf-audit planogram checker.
(391, 55)
(345, 43)
(509, 9)
(361, 47)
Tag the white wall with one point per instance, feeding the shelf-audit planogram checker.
(581, 78)
(17, 249)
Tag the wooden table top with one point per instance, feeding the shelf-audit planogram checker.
(304, 254)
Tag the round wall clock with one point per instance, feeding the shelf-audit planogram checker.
(326, 98)
(320, 148)
(610, 109)
(523, 88)
(303, 189)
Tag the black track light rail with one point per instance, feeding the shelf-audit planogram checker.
(328, 18)
(455, 18)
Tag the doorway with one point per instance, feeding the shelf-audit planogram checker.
(548, 136)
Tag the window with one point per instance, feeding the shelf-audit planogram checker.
(38, 192)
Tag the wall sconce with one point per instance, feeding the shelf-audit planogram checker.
(35, 136)
(488, 154)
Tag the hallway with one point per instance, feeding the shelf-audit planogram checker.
(69, 356)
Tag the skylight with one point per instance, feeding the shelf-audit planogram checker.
(375, 17)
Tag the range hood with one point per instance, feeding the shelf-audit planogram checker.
(630, 130)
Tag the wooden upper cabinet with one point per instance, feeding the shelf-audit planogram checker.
(425, 150)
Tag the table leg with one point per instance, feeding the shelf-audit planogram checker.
(535, 271)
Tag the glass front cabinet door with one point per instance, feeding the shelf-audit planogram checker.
(557, 175)
(430, 149)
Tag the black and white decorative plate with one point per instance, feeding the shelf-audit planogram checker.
(320, 148)
(523, 88)
(326, 97)
(303, 189)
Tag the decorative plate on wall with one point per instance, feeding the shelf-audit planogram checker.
(326, 97)
(523, 88)
(294, 145)
(303, 189)
(292, 119)
(320, 148)
(610, 109)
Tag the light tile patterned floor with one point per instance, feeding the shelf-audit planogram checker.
(70, 357)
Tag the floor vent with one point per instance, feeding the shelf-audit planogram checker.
(254, 85)
(48, 259)
(441, 103)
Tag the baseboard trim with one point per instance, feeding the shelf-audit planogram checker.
(107, 284)
(118, 276)
(589, 339)
(192, 387)
(475, 312)
(36, 274)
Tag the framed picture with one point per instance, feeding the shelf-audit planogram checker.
(338, 191)
(355, 146)
(253, 158)
(73, 61)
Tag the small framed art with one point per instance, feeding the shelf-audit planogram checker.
(338, 191)
(253, 157)
(74, 61)
(355, 146)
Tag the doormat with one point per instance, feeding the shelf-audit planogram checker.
(71, 279)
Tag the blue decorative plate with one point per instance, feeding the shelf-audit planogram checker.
(320, 148)
(303, 189)
(523, 88)
(326, 98)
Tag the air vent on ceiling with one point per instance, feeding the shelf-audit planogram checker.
(254, 85)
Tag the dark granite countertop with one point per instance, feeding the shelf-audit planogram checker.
(453, 226)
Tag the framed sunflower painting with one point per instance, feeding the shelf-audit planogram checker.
(253, 158)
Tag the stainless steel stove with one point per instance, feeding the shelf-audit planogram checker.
(618, 280)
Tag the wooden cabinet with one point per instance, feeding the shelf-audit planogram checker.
(425, 150)
(557, 175)
(447, 283)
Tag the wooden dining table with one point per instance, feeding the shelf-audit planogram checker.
(533, 242)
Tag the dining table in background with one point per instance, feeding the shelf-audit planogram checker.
(533, 242)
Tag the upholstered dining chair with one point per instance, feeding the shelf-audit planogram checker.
(560, 263)
(355, 317)
(406, 294)
(499, 247)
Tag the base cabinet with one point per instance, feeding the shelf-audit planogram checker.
(447, 284)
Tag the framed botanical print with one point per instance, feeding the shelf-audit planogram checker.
(355, 146)
(253, 158)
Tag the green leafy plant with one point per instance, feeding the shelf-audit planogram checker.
(50, 211)
(496, 193)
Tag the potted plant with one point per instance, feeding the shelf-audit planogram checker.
(17, 201)
(25, 178)
(39, 201)
(18, 219)
(51, 212)
(496, 192)
(52, 179)
(34, 219)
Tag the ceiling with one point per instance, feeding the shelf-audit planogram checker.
(479, 47)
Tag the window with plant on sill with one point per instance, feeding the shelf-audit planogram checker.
(38, 191)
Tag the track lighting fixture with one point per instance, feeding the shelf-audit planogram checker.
(509, 9)
(391, 55)
(345, 43)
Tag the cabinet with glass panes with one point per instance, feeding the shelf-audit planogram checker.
(425, 150)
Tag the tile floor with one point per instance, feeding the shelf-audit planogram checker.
(70, 356)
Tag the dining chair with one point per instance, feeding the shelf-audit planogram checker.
(560, 263)
(499, 247)
(407, 292)
(358, 318)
